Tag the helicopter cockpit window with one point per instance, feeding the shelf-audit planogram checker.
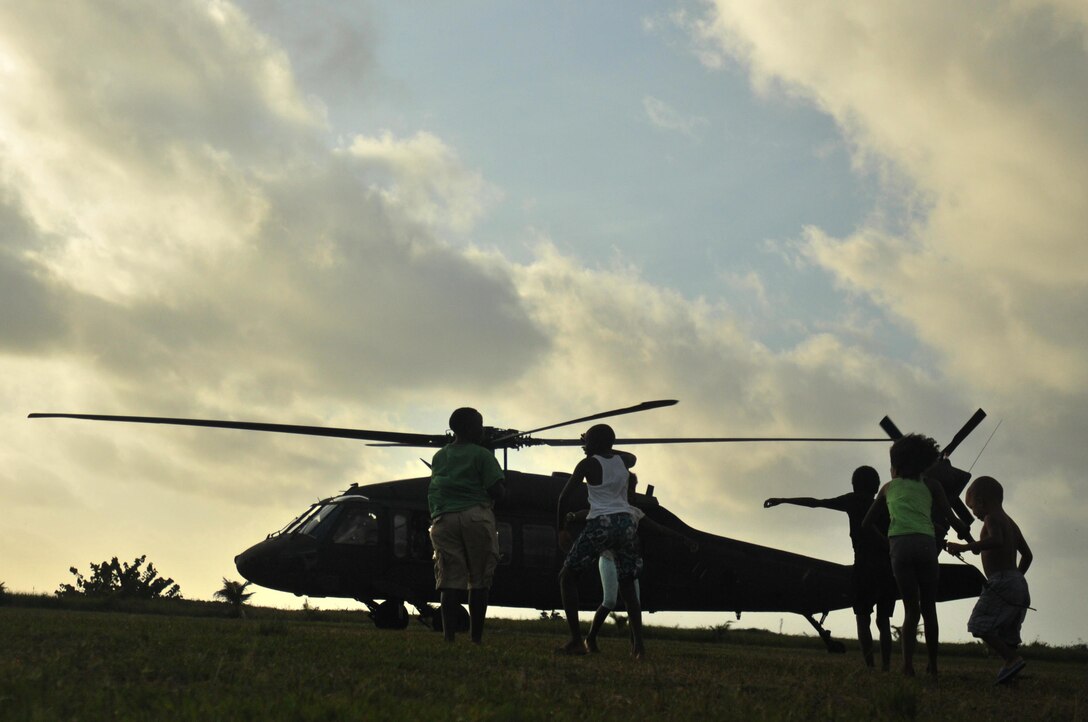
(358, 525)
(320, 522)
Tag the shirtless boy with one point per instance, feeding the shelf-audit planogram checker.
(1000, 609)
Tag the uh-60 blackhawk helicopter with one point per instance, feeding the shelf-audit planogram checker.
(371, 542)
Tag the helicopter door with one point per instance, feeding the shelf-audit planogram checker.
(354, 551)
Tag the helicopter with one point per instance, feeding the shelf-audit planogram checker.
(371, 543)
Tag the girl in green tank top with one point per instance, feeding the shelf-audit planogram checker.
(909, 507)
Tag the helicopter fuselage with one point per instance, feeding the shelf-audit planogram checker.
(372, 543)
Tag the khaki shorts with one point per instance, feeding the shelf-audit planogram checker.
(466, 549)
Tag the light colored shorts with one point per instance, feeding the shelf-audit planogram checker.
(466, 548)
(1001, 608)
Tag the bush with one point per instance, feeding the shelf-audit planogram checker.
(116, 579)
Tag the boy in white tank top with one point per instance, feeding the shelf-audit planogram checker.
(610, 526)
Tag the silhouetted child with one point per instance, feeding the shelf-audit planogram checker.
(911, 498)
(606, 563)
(465, 479)
(872, 571)
(610, 525)
(1001, 608)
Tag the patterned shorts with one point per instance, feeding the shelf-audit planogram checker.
(1001, 608)
(617, 533)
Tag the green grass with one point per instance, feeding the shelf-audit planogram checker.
(63, 663)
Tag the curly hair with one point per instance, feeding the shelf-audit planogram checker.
(913, 454)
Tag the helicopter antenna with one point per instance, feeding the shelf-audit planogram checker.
(985, 445)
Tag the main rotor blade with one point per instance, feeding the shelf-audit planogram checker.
(890, 429)
(396, 437)
(699, 440)
(962, 434)
(644, 406)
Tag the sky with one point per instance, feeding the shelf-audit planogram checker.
(793, 217)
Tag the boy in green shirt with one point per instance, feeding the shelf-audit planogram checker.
(465, 480)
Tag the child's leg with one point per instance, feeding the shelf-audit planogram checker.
(450, 603)
(865, 637)
(1006, 652)
(568, 589)
(609, 589)
(904, 556)
(932, 632)
(594, 629)
(927, 590)
(884, 625)
(909, 633)
(634, 616)
(477, 612)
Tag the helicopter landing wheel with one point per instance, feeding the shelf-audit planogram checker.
(390, 614)
(461, 616)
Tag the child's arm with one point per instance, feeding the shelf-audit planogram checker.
(943, 507)
(577, 477)
(1025, 553)
(574, 517)
(878, 508)
(989, 538)
(801, 501)
(648, 523)
(566, 537)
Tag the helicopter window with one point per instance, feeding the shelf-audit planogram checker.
(358, 526)
(419, 537)
(506, 542)
(400, 535)
(319, 523)
(537, 545)
(295, 523)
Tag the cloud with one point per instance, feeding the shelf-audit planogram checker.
(337, 41)
(423, 178)
(664, 116)
(177, 208)
(983, 113)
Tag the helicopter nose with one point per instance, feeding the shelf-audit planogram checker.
(278, 563)
(259, 564)
(252, 565)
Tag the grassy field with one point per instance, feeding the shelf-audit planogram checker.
(78, 664)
